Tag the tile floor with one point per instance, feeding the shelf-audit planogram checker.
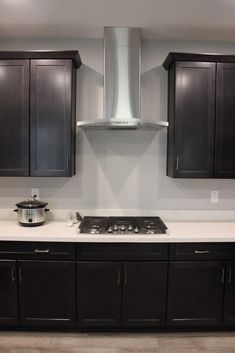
(24, 342)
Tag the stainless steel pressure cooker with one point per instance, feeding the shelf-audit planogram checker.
(31, 213)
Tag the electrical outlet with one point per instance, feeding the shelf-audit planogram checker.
(214, 196)
(35, 193)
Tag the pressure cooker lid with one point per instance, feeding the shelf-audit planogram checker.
(31, 204)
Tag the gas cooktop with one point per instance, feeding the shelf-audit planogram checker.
(122, 225)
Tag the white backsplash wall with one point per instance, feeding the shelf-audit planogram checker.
(120, 169)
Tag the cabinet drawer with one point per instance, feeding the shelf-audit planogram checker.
(122, 251)
(202, 251)
(37, 250)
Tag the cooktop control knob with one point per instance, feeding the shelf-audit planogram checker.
(130, 228)
(122, 227)
(110, 229)
(115, 227)
(136, 230)
(150, 231)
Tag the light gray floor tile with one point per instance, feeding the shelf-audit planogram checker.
(108, 341)
(24, 341)
(36, 342)
(24, 350)
(80, 350)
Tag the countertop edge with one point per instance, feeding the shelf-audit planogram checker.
(179, 232)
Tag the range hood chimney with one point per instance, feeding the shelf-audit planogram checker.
(121, 82)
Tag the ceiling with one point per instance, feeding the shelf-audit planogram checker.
(159, 19)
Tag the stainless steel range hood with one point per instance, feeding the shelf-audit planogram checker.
(121, 82)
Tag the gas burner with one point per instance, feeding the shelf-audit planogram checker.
(151, 225)
(94, 225)
(122, 225)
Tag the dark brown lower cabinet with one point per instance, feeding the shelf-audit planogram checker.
(229, 295)
(99, 293)
(8, 293)
(46, 293)
(144, 293)
(195, 294)
(41, 286)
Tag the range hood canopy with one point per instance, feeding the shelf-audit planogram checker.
(121, 82)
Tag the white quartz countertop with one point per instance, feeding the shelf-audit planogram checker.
(58, 231)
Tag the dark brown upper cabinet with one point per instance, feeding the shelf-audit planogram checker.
(201, 110)
(14, 117)
(225, 121)
(37, 113)
(51, 119)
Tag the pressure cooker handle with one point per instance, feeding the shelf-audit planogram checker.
(46, 210)
(15, 210)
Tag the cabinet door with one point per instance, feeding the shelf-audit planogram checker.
(46, 293)
(195, 293)
(144, 293)
(14, 117)
(192, 127)
(225, 121)
(99, 293)
(229, 295)
(52, 118)
(8, 293)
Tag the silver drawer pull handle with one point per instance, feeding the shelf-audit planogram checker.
(20, 275)
(222, 275)
(202, 252)
(42, 251)
(125, 280)
(229, 275)
(13, 275)
(67, 162)
(119, 278)
(177, 163)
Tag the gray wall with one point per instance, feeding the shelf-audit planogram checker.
(120, 169)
